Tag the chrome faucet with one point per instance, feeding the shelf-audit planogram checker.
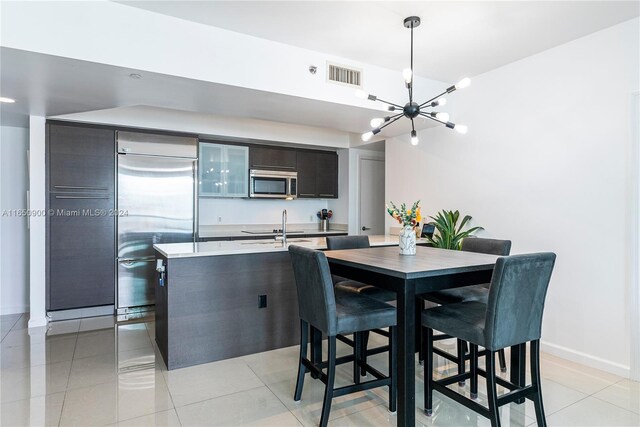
(284, 227)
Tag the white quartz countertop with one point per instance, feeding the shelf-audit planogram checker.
(237, 247)
(206, 234)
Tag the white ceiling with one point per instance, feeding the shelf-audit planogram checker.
(455, 39)
(47, 85)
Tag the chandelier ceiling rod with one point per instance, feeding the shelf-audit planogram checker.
(412, 109)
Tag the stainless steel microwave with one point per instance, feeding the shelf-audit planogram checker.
(269, 184)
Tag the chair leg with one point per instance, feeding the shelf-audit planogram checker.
(492, 392)
(357, 355)
(535, 381)
(427, 340)
(316, 348)
(502, 360)
(331, 375)
(302, 370)
(461, 345)
(393, 368)
(364, 342)
(473, 362)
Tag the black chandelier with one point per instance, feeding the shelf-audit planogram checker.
(412, 109)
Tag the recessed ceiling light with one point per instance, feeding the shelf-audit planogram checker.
(135, 76)
(7, 100)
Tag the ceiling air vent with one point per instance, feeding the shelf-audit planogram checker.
(344, 75)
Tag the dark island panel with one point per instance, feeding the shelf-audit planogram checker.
(208, 309)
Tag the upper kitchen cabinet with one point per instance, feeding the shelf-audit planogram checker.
(81, 159)
(223, 170)
(272, 158)
(317, 174)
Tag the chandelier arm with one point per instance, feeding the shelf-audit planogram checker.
(433, 118)
(387, 124)
(413, 128)
(390, 103)
(434, 98)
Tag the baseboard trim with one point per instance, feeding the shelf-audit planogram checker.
(586, 359)
(15, 309)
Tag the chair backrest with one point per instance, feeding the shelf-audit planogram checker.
(347, 242)
(316, 298)
(516, 299)
(486, 246)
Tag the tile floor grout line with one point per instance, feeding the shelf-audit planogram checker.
(224, 395)
(611, 403)
(284, 404)
(64, 400)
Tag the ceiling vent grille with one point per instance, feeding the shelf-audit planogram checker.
(344, 75)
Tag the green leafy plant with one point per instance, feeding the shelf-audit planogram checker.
(449, 234)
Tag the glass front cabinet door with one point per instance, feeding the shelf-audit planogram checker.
(223, 170)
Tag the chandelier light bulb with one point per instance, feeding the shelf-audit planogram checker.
(376, 122)
(441, 101)
(367, 136)
(442, 116)
(463, 83)
(407, 74)
(362, 94)
(461, 129)
(6, 100)
(414, 138)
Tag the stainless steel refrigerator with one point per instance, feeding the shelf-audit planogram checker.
(156, 204)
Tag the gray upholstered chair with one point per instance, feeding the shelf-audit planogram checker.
(512, 315)
(469, 293)
(347, 285)
(334, 312)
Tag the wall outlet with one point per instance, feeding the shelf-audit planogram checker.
(219, 219)
(262, 301)
(310, 218)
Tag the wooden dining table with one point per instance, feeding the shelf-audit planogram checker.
(429, 270)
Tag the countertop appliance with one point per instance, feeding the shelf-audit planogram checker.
(156, 204)
(272, 184)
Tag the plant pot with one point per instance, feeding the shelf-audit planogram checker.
(407, 241)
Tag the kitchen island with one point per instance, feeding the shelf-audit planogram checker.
(219, 300)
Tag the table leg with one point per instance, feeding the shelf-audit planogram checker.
(406, 357)
(518, 375)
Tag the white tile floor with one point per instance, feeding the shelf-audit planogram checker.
(94, 372)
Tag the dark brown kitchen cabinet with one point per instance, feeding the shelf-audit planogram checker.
(81, 158)
(272, 158)
(81, 251)
(81, 224)
(317, 174)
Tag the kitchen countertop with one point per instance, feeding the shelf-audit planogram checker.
(202, 249)
(206, 232)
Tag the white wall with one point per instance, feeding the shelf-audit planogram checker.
(545, 164)
(244, 211)
(37, 229)
(14, 246)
